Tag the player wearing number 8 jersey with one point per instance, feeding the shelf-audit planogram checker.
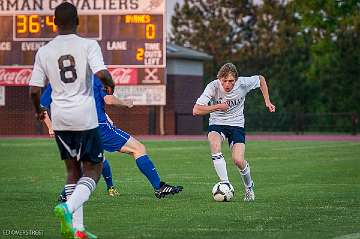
(68, 62)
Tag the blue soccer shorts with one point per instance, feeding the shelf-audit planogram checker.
(81, 145)
(112, 137)
(234, 134)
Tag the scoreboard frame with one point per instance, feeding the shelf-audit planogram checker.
(94, 7)
(146, 83)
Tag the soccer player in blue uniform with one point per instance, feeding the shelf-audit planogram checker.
(45, 102)
(115, 139)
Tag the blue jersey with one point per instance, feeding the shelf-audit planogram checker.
(45, 99)
(99, 95)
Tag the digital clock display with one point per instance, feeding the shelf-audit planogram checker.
(42, 27)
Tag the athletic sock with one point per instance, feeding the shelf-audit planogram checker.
(106, 173)
(68, 189)
(220, 166)
(78, 217)
(245, 175)
(81, 194)
(63, 193)
(148, 169)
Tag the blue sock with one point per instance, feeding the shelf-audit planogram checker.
(106, 173)
(148, 169)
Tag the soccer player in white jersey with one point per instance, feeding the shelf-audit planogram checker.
(224, 100)
(68, 62)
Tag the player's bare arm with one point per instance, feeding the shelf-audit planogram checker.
(207, 109)
(265, 92)
(48, 124)
(113, 100)
(35, 93)
(106, 79)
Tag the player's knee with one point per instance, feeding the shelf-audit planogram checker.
(140, 149)
(239, 162)
(214, 142)
(215, 146)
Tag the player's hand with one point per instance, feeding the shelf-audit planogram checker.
(270, 107)
(129, 103)
(51, 133)
(223, 106)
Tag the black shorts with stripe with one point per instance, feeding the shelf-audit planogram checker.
(81, 145)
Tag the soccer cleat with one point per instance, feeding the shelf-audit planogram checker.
(62, 212)
(112, 191)
(84, 235)
(62, 198)
(166, 189)
(249, 194)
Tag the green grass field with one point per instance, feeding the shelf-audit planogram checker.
(303, 190)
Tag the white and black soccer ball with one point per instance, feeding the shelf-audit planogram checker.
(223, 192)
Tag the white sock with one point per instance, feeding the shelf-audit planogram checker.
(246, 177)
(81, 194)
(78, 218)
(220, 166)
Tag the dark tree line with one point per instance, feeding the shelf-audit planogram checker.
(309, 51)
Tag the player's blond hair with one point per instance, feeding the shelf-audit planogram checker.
(226, 70)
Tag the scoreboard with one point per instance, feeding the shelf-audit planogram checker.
(131, 34)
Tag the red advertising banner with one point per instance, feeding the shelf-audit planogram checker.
(15, 76)
(20, 76)
(124, 76)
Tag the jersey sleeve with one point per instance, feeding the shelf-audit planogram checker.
(252, 83)
(98, 85)
(38, 76)
(46, 99)
(207, 95)
(95, 57)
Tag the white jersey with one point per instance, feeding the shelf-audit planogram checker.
(68, 62)
(214, 93)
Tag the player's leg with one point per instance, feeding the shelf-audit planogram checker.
(115, 139)
(63, 212)
(237, 144)
(107, 175)
(64, 141)
(90, 154)
(69, 188)
(72, 179)
(215, 138)
(82, 192)
(138, 151)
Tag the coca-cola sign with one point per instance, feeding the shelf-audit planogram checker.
(20, 76)
(124, 76)
(15, 76)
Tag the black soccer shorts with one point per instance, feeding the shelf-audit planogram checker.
(81, 145)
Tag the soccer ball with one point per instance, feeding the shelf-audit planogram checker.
(223, 192)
